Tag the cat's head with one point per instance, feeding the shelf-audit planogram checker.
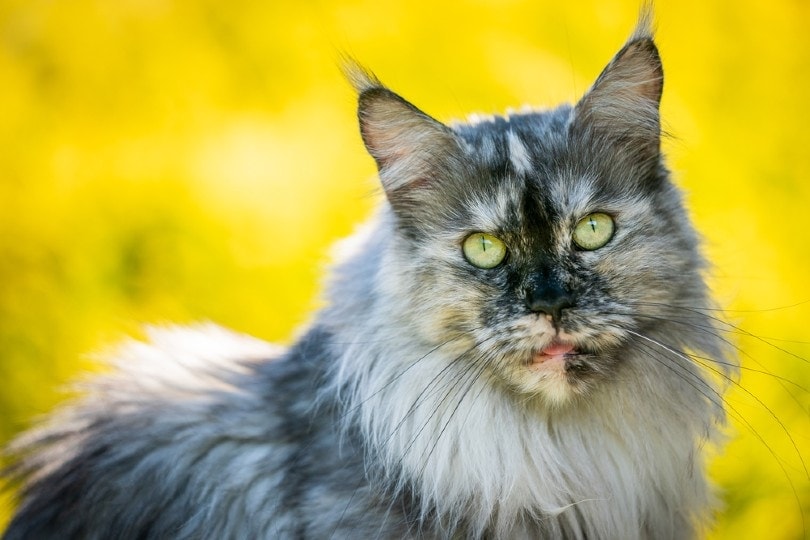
(538, 245)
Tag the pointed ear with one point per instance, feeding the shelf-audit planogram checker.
(411, 149)
(622, 105)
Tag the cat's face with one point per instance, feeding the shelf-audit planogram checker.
(536, 246)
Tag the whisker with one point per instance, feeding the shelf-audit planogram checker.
(714, 396)
(451, 389)
(725, 310)
(708, 329)
(713, 331)
(346, 508)
(484, 364)
(429, 390)
(686, 356)
(737, 329)
(468, 381)
(738, 416)
(352, 410)
(720, 402)
(401, 374)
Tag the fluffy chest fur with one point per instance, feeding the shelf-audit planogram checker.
(607, 467)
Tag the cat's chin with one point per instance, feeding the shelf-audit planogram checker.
(551, 377)
(550, 382)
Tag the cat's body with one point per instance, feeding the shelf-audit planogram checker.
(547, 393)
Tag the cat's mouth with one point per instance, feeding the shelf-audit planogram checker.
(554, 356)
(559, 369)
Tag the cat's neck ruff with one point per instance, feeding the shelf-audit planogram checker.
(468, 447)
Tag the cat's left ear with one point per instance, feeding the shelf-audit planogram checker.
(622, 106)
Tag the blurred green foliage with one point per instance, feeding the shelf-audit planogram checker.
(170, 160)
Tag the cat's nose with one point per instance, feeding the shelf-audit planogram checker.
(549, 298)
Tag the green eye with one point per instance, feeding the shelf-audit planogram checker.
(594, 231)
(484, 250)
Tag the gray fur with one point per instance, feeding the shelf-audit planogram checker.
(410, 407)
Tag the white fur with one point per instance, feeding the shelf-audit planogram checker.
(518, 154)
(474, 450)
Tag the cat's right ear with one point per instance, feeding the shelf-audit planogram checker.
(413, 151)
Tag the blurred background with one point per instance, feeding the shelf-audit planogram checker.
(181, 161)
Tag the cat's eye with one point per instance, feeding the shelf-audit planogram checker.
(484, 250)
(594, 231)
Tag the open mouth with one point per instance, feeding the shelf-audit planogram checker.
(554, 353)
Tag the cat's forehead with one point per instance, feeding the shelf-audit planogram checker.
(523, 164)
(493, 138)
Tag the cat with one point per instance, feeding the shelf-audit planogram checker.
(507, 351)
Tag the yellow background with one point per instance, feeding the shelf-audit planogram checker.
(193, 160)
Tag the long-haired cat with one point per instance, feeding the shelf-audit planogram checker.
(505, 353)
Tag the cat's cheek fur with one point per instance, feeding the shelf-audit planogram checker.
(423, 315)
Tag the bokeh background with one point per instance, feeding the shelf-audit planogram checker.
(186, 160)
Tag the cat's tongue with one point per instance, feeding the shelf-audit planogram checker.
(552, 358)
(557, 349)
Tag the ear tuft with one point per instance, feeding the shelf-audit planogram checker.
(361, 78)
(645, 26)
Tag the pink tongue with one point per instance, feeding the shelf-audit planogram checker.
(556, 349)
